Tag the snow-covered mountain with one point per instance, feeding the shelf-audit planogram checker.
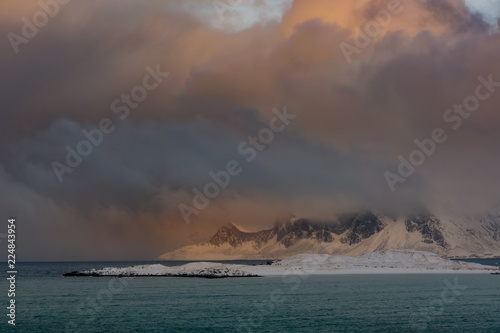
(352, 235)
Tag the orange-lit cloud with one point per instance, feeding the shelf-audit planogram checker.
(410, 16)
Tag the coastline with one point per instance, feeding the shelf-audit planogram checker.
(380, 262)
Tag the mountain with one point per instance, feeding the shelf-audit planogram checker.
(352, 235)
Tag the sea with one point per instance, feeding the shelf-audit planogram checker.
(48, 302)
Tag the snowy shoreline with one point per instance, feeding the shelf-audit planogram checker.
(379, 262)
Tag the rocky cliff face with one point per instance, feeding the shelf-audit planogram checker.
(428, 226)
(360, 226)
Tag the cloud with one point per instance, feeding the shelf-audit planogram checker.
(353, 120)
(411, 17)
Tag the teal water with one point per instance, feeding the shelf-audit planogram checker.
(48, 302)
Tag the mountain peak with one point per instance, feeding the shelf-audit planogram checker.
(228, 233)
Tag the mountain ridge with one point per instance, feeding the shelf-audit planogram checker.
(351, 234)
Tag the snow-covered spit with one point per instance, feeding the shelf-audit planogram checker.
(195, 269)
(379, 262)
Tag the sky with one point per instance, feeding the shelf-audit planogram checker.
(488, 8)
(202, 80)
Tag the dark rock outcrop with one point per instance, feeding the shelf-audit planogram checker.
(360, 226)
(428, 226)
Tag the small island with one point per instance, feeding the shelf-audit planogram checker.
(379, 262)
